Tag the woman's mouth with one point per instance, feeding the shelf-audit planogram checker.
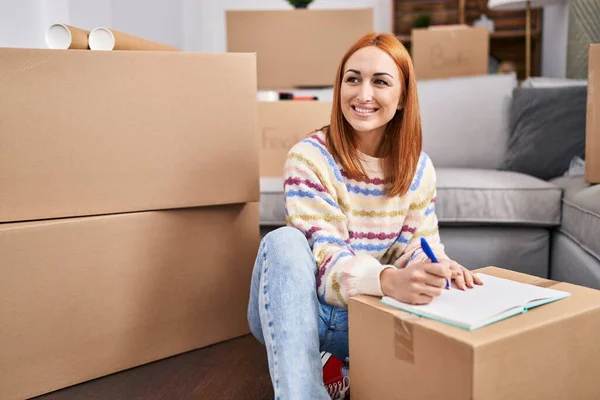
(363, 111)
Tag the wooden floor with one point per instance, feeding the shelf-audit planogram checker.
(236, 369)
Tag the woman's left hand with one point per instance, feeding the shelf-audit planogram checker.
(461, 275)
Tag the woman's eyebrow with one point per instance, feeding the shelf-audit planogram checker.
(383, 73)
(357, 72)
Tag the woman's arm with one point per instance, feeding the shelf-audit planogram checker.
(421, 219)
(312, 206)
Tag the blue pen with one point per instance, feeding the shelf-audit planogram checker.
(432, 257)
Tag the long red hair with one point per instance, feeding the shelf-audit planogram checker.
(402, 141)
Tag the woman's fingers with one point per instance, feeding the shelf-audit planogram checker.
(463, 277)
(457, 274)
(468, 277)
(460, 280)
(476, 279)
(423, 299)
(430, 291)
(438, 269)
(431, 279)
(434, 280)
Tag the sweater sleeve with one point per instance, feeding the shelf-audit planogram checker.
(312, 206)
(421, 218)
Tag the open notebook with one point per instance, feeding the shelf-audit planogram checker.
(495, 300)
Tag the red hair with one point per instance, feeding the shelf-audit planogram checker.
(401, 144)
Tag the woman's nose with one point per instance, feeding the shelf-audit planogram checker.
(366, 93)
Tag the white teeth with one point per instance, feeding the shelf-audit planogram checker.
(364, 110)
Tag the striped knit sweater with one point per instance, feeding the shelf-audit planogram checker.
(354, 230)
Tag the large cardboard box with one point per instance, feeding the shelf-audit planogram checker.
(86, 132)
(450, 51)
(296, 48)
(549, 352)
(84, 297)
(592, 137)
(282, 125)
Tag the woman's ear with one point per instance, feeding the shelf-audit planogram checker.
(401, 103)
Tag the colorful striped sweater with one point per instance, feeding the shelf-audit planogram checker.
(354, 230)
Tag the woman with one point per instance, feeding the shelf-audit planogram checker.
(359, 195)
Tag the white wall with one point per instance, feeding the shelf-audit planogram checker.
(22, 23)
(89, 14)
(554, 40)
(199, 25)
(157, 20)
(193, 25)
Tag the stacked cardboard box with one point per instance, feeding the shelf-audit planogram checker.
(296, 48)
(592, 138)
(283, 124)
(449, 51)
(297, 51)
(128, 209)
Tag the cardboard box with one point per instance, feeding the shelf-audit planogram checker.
(450, 51)
(296, 48)
(86, 132)
(85, 297)
(592, 137)
(549, 352)
(282, 125)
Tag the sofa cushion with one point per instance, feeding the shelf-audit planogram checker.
(517, 248)
(542, 81)
(547, 129)
(465, 196)
(272, 205)
(465, 119)
(581, 218)
(571, 185)
(569, 262)
(490, 197)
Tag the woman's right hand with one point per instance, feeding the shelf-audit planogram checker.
(418, 283)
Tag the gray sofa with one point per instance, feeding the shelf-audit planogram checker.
(490, 216)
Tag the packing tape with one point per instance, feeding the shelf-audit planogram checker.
(545, 283)
(404, 339)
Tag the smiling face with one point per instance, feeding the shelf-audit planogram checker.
(370, 91)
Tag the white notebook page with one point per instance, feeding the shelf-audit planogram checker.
(476, 306)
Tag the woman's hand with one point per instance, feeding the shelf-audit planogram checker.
(461, 275)
(418, 283)
(421, 282)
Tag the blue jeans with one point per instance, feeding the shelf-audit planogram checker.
(285, 314)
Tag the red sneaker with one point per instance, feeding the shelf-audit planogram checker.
(336, 383)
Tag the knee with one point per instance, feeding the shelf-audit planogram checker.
(286, 239)
(288, 246)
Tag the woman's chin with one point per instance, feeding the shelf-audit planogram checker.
(364, 128)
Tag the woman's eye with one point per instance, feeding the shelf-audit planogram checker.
(381, 82)
(352, 79)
